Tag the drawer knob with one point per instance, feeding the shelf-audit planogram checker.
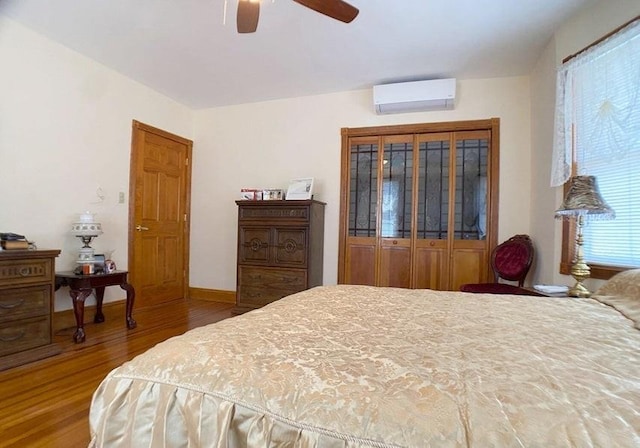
(12, 338)
(290, 246)
(9, 306)
(24, 271)
(255, 244)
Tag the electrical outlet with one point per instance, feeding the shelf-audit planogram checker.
(121, 197)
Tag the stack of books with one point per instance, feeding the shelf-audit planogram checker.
(12, 241)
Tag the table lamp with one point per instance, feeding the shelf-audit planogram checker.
(583, 201)
(86, 228)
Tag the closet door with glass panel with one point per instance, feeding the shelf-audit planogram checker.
(469, 250)
(432, 227)
(419, 209)
(359, 260)
(396, 204)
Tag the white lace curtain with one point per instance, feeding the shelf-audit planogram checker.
(597, 113)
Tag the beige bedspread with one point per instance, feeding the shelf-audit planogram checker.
(358, 366)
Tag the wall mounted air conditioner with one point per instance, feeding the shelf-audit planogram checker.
(417, 96)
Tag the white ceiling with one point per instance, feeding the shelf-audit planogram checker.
(182, 49)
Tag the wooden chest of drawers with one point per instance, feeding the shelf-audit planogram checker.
(26, 305)
(280, 250)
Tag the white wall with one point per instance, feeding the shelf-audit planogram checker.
(264, 145)
(591, 24)
(581, 30)
(65, 131)
(543, 197)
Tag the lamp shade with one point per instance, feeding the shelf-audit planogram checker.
(583, 198)
(86, 226)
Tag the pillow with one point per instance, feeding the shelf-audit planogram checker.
(622, 292)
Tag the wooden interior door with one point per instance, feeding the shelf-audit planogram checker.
(160, 184)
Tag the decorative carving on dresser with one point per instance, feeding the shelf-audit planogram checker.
(26, 306)
(280, 250)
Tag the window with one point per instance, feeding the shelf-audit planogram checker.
(598, 133)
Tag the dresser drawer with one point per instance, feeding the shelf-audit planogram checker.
(24, 335)
(257, 297)
(25, 302)
(21, 272)
(260, 286)
(290, 247)
(272, 278)
(264, 211)
(253, 245)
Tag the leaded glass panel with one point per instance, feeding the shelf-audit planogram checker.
(363, 190)
(471, 189)
(433, 190)
(397, 187)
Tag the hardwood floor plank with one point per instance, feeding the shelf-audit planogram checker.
(46, 403)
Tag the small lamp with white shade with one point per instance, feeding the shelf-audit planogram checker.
(86, 228)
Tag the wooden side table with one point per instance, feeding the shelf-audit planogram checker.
(81, 287)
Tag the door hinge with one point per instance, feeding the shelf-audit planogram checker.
(185, 217)
(186, 162)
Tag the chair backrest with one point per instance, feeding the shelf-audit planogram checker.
(512, 259)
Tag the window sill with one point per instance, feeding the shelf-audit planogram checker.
(601, 272)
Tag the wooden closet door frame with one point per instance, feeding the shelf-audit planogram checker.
(491, 124)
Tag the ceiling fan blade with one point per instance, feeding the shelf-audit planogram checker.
(336, 9)
(247, 18)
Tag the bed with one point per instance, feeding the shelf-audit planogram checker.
(360, 366)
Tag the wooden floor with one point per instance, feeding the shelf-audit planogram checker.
(46, 403)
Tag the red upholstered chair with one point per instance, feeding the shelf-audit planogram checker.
(511, 261)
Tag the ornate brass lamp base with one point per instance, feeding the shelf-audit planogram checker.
(580, 270)
(579, 290)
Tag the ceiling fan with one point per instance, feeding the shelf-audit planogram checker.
(249, 11)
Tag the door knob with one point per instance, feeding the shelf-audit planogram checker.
(140, 228)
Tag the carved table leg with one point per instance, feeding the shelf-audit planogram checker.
(131, 297)
(99, 317)
(78, 297)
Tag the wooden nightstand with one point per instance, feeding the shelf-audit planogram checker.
(81, 286)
